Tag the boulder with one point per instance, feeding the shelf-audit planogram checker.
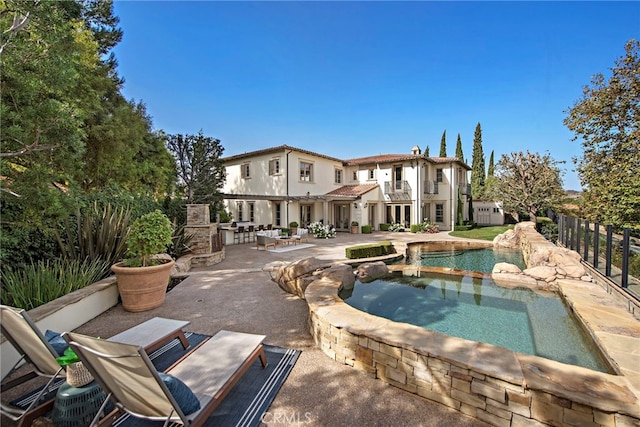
(340, 274)
(371, 271)
(295, 277)
(505, 267)
(508, 239)
(541, 272)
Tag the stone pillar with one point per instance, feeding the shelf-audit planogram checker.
(199, 225)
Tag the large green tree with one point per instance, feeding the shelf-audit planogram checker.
(527, 183)
(606, 120)
(443, 144)
(477, 165)
(200, 171)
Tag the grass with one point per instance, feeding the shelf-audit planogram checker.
(482, 233)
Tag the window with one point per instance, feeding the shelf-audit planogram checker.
(338, 176)
(306, 172)
(439, 211)
(355, 175)
(372, 174)
(240, 209)
(252, 211)
(274, 166)
(496, 210)
(277, 213)
(439, 175)
(245, 170)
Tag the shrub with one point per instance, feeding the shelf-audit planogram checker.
(465, 227)
(354, 223)
(179, 242)
(293, 224)
(97, 234)
(322, 231)
(384, 227)
(149, 235)
(424, 227)
(370, 250)
(45, 281)
(396, 227)
(367, 229)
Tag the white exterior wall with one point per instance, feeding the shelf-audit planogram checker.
(488, 212)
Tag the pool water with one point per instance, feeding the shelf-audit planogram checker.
(466, 259)
(479, 310)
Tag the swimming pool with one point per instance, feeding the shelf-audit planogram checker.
(475, 308)
(453, 255)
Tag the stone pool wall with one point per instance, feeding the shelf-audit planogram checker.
(490, 383)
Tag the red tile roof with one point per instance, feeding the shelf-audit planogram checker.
(278, 149)
(356, 190)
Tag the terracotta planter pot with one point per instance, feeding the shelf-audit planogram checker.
(142, 288)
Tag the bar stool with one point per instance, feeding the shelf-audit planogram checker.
(237, 233)
(252, 233)
(261, 227)
(269, 226)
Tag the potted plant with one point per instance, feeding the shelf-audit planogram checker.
(354, 227)
(293, 227)
(143, 276)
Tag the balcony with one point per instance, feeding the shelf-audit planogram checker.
(397, 190)
(430, 187)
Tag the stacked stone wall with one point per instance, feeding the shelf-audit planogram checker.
(492, 384)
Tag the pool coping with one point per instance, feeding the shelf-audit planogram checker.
(491, 383)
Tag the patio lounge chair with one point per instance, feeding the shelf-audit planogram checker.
(302, 234)
(29, 341)
(125, 372)
(265, 241)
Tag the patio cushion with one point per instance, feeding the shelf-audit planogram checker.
(186, 400)
(56, 341)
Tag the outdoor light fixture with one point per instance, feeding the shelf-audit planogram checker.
(355, 205)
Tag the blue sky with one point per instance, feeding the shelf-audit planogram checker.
(353, 79)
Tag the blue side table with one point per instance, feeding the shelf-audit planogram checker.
(77, 406)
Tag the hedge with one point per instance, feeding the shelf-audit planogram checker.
(463, 227)
(370, 250)
(367, 229)
(384, 227)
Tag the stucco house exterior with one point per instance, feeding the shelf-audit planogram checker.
(282, 184)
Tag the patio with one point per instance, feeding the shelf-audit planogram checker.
(238, 295)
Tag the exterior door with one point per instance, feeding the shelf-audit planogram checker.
(341, 217)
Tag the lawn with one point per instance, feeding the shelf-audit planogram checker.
(482, 233)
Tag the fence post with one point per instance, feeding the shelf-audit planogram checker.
(578, 234)
(596, 244)
(625, 257)
(609, 245)
(586, 240)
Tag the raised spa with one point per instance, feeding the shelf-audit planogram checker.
(461, 256)
(477, 309)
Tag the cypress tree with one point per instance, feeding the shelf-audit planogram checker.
(477, 165)
(443, 144)
(490, 171)
(459, 154)
(426, 151)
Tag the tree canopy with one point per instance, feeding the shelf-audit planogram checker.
(459, 153)
(200, 169)
(527, 183)
(443, 144)
(606, 120)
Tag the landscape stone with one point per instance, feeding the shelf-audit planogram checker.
(371, 271)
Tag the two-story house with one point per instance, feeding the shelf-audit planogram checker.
(282, 184)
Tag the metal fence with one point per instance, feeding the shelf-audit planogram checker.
(615, 256)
